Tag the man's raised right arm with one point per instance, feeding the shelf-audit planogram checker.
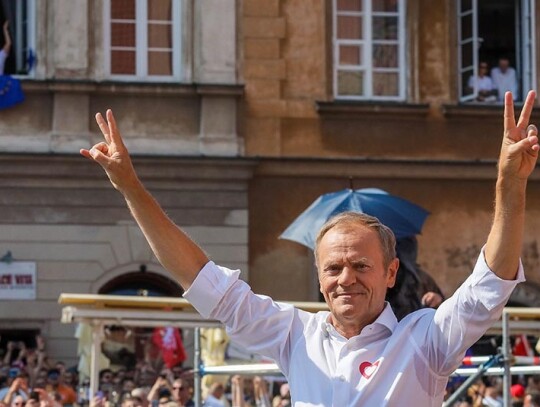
(173, 248)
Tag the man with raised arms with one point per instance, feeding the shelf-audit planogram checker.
(357, 354)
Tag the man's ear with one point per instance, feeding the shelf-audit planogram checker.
(391, 273)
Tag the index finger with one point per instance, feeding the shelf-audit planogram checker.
(113, 129)
(527, 110)
(103, 127)
(509, 118)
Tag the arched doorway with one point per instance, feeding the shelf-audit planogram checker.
(143, 283)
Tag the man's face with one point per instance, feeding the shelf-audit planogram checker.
(483, 69)
(107, 377)
(352, 276)
(504, 64)
(180, 391)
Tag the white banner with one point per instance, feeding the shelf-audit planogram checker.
(18, 280)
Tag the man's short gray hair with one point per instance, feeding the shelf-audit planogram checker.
(386, 236)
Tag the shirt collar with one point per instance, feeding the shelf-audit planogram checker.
(386, 318)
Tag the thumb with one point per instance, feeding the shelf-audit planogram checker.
(529, 144)
(98, 156)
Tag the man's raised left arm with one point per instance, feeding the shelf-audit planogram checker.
(517, 160)
(478, 302)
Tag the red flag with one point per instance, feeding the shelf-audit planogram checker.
(522, 346)
(169, 341)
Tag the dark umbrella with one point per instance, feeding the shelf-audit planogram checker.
(403, 217)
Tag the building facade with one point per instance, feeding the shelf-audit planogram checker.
(377, 91)
(239, 113)
(169, 70)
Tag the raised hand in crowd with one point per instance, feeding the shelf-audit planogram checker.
(260, 386)
(160, 384)
(237, 391)
(18, 386)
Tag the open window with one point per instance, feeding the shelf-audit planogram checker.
(496, 33)
(369, 49)
(143, 39)
(21, 16)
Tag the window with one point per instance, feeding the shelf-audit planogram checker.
(142, 39)
(369, 49)
(21, 17)
(493, 34)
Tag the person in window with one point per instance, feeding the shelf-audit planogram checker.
(4, 52)
(483, 84)
(504, 79)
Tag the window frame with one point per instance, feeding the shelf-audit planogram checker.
(141, 43)
(528, 41)
(16, 48)
(525, 47)
(366, 43)
(474, 40)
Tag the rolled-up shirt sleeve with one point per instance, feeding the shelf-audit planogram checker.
(209, 287)
(464, 317)
(254, 321)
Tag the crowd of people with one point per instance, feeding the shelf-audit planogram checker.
(492, 85)
(29, 378)
(488, 391)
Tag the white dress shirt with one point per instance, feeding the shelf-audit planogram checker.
(505, 81)
(482, 83)
(387, 364)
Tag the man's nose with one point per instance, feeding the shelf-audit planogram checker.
(347, 276)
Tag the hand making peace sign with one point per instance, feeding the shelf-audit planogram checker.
(112, 154)
(519, 150)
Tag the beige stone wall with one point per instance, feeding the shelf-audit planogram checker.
(62, 214)
(81, 259)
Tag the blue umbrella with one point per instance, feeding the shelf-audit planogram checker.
(403, 217)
